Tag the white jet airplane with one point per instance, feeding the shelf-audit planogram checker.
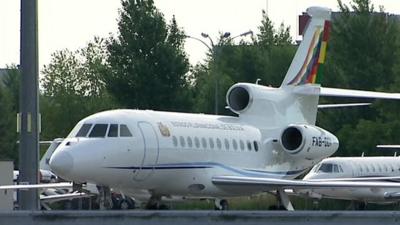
(377, 169)
(273, 140)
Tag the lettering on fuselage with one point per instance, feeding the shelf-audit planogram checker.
(208, 126)
(321, 141)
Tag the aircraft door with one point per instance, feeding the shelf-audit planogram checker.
(151, 151)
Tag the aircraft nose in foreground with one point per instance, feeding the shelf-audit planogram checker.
(61, 163)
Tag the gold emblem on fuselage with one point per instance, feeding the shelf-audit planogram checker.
(164, 130)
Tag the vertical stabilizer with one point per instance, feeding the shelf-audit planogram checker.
(308, 61)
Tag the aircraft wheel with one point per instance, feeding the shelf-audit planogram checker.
(221, 204)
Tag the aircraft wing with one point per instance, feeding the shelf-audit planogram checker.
(395, 179)
(36, 186)
(273, 183)
(338, 92)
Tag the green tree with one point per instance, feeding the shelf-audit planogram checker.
(362, 55)
(267, 58)
(73, 88)
(148, 65)
(9, 92)
(269, 36)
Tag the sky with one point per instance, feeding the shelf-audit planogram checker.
(72, 24)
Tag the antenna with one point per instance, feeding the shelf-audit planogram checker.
(362, 154)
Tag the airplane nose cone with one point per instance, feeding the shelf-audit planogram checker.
(61, 163)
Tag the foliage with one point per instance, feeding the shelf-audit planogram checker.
(148, 65)
(363, 54)
(73, 88)
(9, 93)
(266, 58)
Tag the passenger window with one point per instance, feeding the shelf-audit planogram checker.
(189, 141)
(84, 130)
(234, 144)
(241, 143)
(175, 141)
(211, 142)
(219, 144)
(255, 146)
(226, 144)
(249, 145)
(99, 130)
(204, 143)
(124, 131)
(113, 131)
(182, 140)
(197, 142)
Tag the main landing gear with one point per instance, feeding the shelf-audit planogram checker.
(221, 204)
(283, 201)
(154, 203)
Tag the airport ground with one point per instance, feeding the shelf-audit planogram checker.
(266, 202)
(198, 217)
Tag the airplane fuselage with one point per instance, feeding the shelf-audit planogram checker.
(173, 153)
(359, 168)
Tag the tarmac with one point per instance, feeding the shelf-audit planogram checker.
(80, 217)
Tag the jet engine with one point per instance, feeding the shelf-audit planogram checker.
(239, 98)
(308, 141)
(244, 97)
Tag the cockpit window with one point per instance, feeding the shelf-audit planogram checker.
(124, 131)
(99, 130)
(113, 131)
(84, 130)
(326, 168)
(335, 168)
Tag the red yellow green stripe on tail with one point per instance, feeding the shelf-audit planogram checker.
(312, 68)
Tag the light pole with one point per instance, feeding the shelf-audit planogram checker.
(214, 51)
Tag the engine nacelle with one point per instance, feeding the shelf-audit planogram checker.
(308, 141)
(242, 97)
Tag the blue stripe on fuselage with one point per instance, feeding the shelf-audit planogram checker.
(208, 165)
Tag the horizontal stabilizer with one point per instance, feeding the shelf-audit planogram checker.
(337, 92)
(388, 146)
(328, 106)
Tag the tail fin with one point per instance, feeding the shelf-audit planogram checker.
(308, 61)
